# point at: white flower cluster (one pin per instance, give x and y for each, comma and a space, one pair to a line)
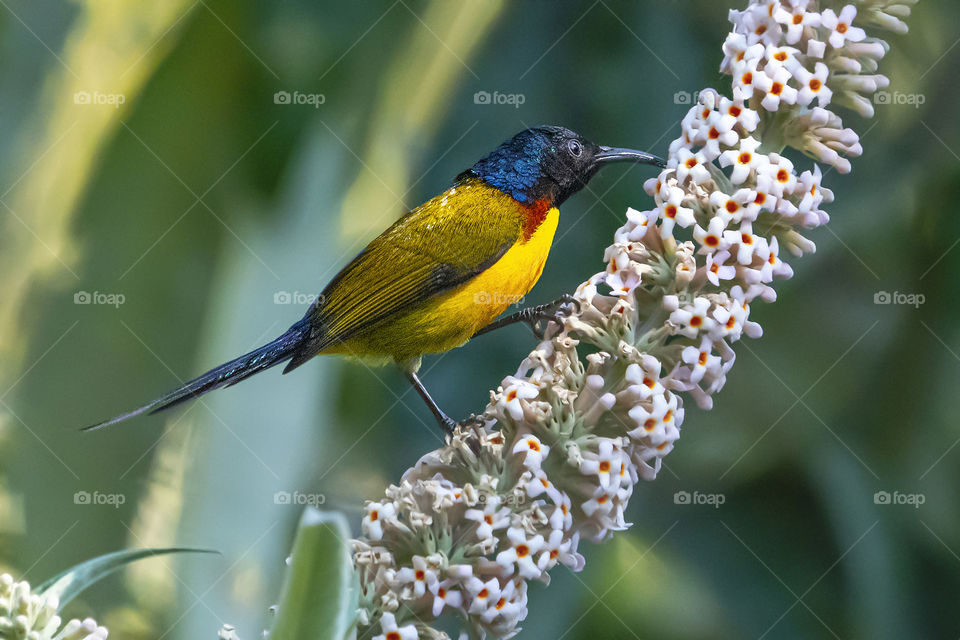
472, 523
31, 616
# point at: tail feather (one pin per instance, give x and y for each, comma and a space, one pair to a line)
228, 374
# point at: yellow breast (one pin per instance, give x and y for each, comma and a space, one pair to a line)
503, 284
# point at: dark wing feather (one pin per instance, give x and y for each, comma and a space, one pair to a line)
438, 246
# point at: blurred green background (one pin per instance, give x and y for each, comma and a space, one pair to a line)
150, 163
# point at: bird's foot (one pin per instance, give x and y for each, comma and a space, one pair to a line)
449, 425
554, 311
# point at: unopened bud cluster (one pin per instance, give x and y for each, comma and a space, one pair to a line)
32, 616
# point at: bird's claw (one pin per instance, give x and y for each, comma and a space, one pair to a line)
450, 426
554, 311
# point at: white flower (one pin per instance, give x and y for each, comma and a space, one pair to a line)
691, 319
747, 77
671, 211
418, 577
388, 624
516, 391
841, 27
782, 179
701, 360
644, 378
743, 159
712, 238
795, 19
492, 517
781, 58
757, 24
654, 419
483, 597
689, 164
748, 245
813, 85
604, 463
776, 89
375, 515
719, 130
444, 596
744, 116
533, 451
521, 554
717, 269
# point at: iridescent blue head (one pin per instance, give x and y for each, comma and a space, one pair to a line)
548, 162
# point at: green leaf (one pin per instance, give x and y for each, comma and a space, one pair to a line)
67, 585
319, 596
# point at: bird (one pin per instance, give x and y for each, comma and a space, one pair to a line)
441, 274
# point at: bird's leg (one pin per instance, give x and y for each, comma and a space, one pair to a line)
551, 311
446, 423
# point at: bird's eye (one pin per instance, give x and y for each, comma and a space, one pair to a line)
575, 148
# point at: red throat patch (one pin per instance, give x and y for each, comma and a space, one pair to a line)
533, 216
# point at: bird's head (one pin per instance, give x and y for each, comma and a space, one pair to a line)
548, 162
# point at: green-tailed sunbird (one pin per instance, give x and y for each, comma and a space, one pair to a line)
440, 274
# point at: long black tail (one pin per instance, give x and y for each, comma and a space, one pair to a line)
280, 350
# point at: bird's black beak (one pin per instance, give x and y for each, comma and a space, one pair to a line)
619, 154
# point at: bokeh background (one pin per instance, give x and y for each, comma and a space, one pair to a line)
150, 168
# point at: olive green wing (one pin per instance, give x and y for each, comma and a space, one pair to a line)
435, 248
